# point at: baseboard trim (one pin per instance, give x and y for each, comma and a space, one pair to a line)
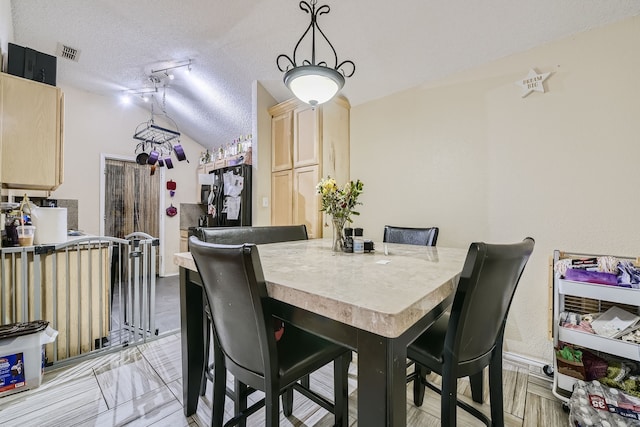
535, 365
523, 359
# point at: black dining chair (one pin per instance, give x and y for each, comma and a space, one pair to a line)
410, 236
469, 338
238, 236
245, 343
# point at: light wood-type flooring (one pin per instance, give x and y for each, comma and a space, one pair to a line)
141, 386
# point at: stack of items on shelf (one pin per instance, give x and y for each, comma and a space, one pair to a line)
593, 404
580, 363
613, 323
610, 371
604, 270
234, 153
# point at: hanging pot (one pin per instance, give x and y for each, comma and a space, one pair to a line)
142, 158
153, 157
179, 152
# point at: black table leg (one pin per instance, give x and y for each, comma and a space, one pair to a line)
192, 338
382, 384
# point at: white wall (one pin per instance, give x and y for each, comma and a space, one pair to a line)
262, 101
6, 30
96, 125
471, 156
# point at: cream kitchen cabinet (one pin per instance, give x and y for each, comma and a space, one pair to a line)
31, 129
306, 144
184, 240
282, 197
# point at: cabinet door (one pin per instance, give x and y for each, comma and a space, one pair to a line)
281, 141
31, 134
184, 240
306, 137
281, 198
306, 203
200, 170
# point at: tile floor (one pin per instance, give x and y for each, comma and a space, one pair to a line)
141, 386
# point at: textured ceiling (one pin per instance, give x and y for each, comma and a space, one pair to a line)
394, 44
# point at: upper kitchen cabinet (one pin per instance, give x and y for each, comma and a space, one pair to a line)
306, 144
281, 141
31, 128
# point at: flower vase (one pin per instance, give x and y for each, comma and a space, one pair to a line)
338, 242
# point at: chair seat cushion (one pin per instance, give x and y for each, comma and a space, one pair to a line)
300, 352
427, 348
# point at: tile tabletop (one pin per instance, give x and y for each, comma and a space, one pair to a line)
383, 294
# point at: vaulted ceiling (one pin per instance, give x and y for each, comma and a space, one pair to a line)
394, 44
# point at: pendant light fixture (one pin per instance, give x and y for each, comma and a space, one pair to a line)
310, 80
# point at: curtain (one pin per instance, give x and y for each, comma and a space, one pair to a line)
132, 199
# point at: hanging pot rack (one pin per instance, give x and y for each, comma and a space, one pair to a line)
158, 139
155, 137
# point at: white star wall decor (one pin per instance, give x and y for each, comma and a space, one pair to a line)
533, 81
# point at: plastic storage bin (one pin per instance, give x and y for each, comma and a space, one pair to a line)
22, 355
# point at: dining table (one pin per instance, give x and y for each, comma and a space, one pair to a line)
375, 303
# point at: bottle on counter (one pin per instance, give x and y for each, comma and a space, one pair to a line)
348, 240
358, 241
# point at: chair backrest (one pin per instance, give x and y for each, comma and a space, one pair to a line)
236, 291
411, 236
257, 235
481, 303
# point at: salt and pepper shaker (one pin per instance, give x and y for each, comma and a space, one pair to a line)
348, 240
358, 241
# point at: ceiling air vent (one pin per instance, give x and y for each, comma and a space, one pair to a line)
68, 52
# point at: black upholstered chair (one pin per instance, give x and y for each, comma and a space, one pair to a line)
257, 235
245, 343
469, 338
411, 236
238, 236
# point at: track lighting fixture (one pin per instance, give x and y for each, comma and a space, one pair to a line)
166, 71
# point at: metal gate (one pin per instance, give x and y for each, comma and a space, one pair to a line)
97, 292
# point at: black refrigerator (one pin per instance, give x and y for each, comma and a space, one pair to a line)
227, 199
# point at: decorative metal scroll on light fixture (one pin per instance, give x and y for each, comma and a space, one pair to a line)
157, 142
314, 82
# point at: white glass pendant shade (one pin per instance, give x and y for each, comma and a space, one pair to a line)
314, 84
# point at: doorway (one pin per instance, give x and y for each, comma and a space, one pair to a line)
131, 202
131, 198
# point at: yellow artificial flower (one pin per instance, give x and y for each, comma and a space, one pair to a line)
339, 202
